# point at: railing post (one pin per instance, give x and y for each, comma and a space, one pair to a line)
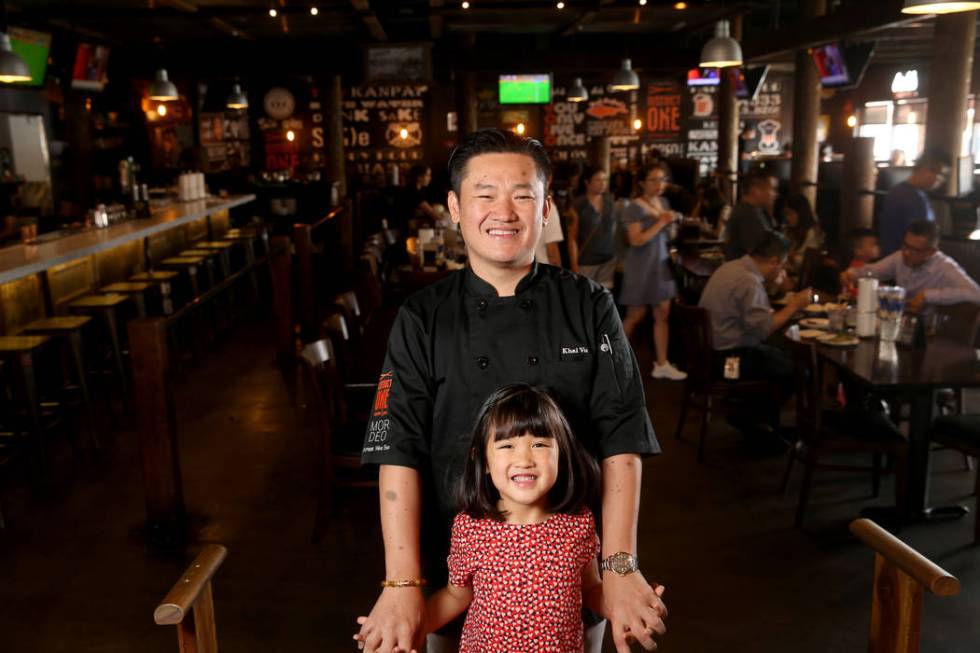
281, 269
303, 242
163, 487
896, 610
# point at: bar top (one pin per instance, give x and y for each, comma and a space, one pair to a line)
21, 260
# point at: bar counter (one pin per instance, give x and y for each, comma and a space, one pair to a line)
20, 260
40, 279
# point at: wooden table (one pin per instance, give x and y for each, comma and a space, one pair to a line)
911, 375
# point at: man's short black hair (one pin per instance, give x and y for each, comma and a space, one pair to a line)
934, 158
772, 243
926, 229
495, 141
757, 178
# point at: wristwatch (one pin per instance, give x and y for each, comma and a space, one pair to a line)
621, 562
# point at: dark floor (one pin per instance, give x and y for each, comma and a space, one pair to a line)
76, 576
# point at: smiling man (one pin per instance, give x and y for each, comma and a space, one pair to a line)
504, 319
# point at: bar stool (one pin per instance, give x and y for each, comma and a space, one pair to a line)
162, 279
107, 308
209, 265
223, 251
68, 330
243, 256
135, 290
20, 353
188, 267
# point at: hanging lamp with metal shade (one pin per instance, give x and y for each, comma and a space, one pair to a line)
162, 89
625, 78
237, 99
13, 68
577, 92
936, 7
722, 51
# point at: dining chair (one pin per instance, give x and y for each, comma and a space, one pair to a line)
827, 432
702, 390
338, 450
962, 433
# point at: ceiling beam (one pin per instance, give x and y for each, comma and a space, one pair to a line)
849, 20
179, 5
229, 29
587, 16
363, 9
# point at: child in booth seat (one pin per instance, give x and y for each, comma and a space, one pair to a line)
524, 548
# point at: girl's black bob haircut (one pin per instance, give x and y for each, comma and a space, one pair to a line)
510, 412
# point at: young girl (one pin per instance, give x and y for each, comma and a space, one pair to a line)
524, 548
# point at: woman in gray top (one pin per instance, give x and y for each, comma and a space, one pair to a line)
647, 281
591, 224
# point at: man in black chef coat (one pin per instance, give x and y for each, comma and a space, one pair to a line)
504, 319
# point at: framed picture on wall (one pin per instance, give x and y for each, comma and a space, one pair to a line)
399, 62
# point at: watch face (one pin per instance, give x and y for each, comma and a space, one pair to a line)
622, 563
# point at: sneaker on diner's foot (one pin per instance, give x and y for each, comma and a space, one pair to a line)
667, 371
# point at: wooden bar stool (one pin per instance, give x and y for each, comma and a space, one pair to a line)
107, 308
68, 330
162, 279
19, 355
136, 290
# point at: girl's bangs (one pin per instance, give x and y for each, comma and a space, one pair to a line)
508, 421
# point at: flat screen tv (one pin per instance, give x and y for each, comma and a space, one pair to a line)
525, 89
703, 77
33, 48
748, 81
89, 72
842, 66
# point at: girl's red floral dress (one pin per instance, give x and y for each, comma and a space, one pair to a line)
526, 579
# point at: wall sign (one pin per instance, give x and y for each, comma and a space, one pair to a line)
383, 124
906, 84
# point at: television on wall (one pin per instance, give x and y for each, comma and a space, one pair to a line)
525, 89
703, 77
842, 66
747, 82
89, 72
33, 48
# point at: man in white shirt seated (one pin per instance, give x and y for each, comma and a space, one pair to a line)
930, 278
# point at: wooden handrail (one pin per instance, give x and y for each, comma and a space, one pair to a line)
925, 571
182, 596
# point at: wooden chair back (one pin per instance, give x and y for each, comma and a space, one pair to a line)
695, 328
808, 398
323, 376
189, 604
351, 307
959, 322
900, 575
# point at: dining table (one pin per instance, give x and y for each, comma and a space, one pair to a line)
909, 375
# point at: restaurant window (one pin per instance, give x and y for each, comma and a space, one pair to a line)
909, 128
875, 122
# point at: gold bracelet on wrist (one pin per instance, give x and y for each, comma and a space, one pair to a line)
414, 582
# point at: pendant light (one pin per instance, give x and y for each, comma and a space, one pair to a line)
935, 7
625, 79
12, 67
722, 51
237, 99
577, 92
162, 89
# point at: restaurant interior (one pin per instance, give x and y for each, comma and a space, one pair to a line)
211, 212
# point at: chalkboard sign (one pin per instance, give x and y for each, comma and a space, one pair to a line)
407, 62
383, 124
569, 126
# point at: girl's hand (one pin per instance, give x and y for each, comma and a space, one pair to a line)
395, 622
634, 609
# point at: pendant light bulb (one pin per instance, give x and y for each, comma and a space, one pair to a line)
625, 78
237, 99
935, 7
13, 68
722, 51
162, 89
577, 92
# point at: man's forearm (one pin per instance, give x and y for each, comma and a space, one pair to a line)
621, 478
400, 490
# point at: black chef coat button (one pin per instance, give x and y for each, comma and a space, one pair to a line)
532, 360
483, 362
527, 304
481, 305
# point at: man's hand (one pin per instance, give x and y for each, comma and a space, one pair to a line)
395, 622
801, 300
917, 302
634, 610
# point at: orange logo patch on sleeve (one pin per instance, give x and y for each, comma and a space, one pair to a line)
382, 395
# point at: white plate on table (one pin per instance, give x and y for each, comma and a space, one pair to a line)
812, 333
815, 322
838, 340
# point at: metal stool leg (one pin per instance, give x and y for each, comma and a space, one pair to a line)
78, 358
109, 315
29, 379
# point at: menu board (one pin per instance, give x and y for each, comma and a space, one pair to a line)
383, 124
569, 126
664, 105
769, 118
224, 140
